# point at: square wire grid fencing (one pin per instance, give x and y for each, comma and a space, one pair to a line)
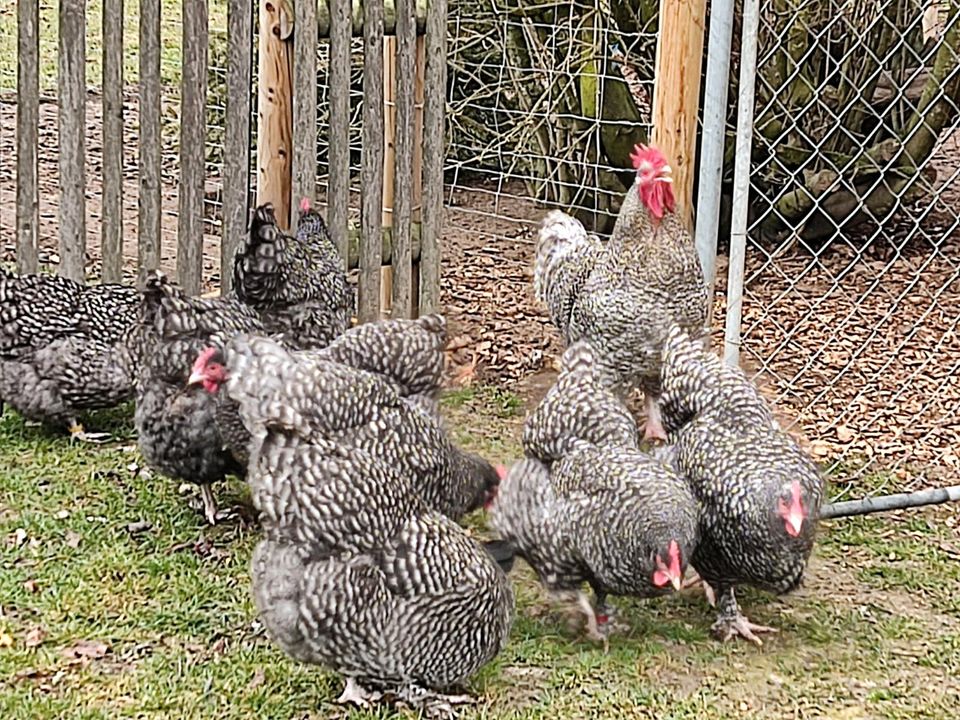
546, 101
851, 299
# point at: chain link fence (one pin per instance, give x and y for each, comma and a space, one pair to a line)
851, 294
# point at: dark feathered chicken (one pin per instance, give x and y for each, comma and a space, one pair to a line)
759, 492
623, 296
355, 572
355, 408
176, 423
296, 283
65, 347
587, 506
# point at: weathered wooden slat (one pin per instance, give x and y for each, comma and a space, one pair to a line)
148, 232
390, 14
236, 140
338, 183
354, 235
433, 117
389, 161
28, 121
371, 208
305, 101
405, 140
193, 133
275, 109
111, 229
72, 93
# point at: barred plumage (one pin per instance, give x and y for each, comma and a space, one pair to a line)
65, 347
760, 494
624, 295
297, 283
587, 505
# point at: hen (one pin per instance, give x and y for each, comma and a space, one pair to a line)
355, 572
587, 505
176, 422
356, 409
760, 494
297, 283
65, 348
623, 296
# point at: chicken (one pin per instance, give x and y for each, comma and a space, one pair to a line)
176, 423
65, 348
586, 505
406, 353
357, 409
355, 572
297, 284
623, 296
760, 494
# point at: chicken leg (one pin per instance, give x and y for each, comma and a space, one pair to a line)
693, 580
355, 693
431, 703
732, 622
78, 434
653, 427
209, 503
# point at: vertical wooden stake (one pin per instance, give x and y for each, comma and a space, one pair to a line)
72, 88
148, 216
389, 161
275, 109
416, 216
111, 232
676, 98
305, 103
28, 122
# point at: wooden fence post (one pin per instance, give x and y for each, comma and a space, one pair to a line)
28, 121
305, 102
111, 230
390, 184
275, 109
72, 92
236, 136
371, 213
676, 101
402, 300
338, 178
148, 234
193, 126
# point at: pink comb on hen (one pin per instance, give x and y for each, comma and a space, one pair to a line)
653, 180
304, 204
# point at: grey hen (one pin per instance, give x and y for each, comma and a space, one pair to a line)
296, 283
65, 348
355, 572
359, 409
176, 423
759, 492
587, 505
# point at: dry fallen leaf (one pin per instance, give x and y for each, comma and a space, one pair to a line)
30, 586
34, 637
257, 679
5, 639
73, 539
844, 434
85, 650
19, 537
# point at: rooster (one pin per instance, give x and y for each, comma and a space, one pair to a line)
586, 505
65, 348
176, 423
759, 493
355, 408
297, 283
623, 296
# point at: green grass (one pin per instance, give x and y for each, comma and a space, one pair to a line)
167, 623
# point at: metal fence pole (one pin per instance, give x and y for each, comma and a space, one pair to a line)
711, 148
741, 181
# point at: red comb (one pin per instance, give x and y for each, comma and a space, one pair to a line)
304, 204
648, 153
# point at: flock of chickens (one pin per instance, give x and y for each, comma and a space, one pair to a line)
363, 566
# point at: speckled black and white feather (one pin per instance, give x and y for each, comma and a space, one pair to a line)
587, 505
357, 574
622, 296
579, 407
176, 425
308, 395
64, 347
296, 283
739, 463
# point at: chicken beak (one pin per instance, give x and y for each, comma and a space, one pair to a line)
794, 524
196, 378
676, 581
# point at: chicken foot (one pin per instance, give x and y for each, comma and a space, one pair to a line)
732, 622
434, 704
354, 692
693, 580
599, 621
209, 503
78, 434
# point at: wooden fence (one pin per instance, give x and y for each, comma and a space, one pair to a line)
396, 247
